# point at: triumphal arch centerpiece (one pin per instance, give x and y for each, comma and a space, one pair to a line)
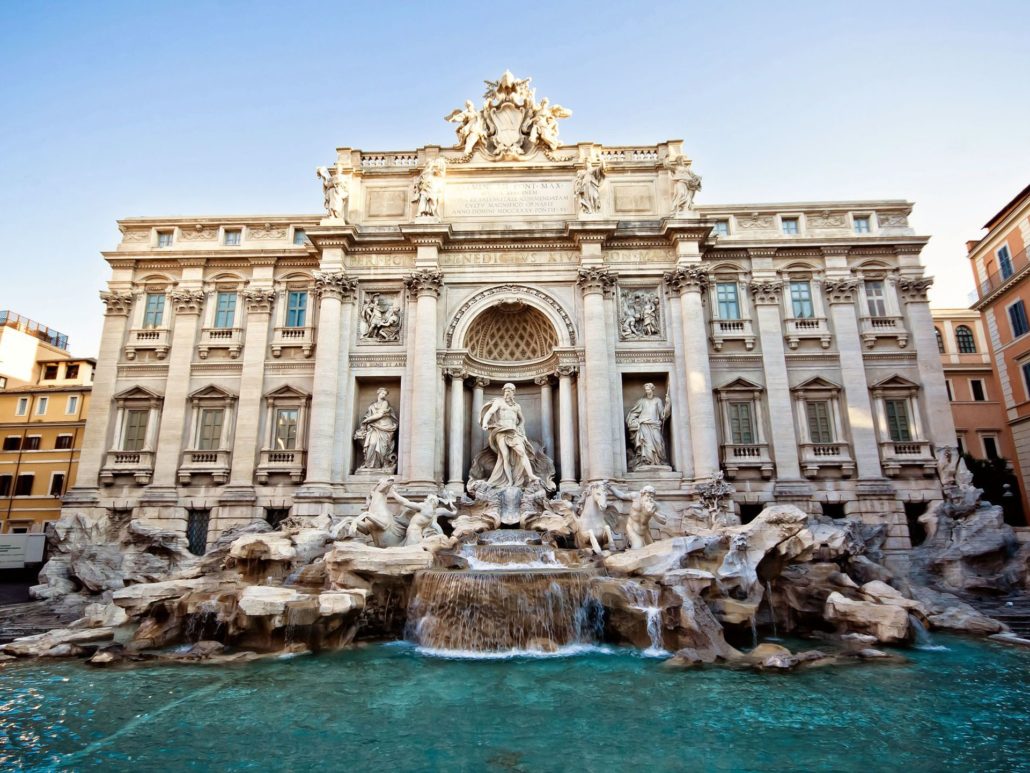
505, 320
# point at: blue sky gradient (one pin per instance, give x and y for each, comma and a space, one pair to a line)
116, 109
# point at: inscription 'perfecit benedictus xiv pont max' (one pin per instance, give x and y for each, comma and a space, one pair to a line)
245, 359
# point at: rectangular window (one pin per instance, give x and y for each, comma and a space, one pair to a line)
897, 420
1005, 261
819, 427
23, 487
790, 226
225, 310
31, 443
154, 311
286, 429
299, 237
135, 435
960, 441
196, 530
976, 388
801, 300
741, 424
233, 237
990, 444
721, 228
71, 371
1018, 320
42, 405
72, 405
876, 298
57, 484
729, 301
296, 309
3, 382
209, 437
1025, 367
22, 407
5, 485
164, 238
862, 224
12, 443
63, 442
947, 387
50, 373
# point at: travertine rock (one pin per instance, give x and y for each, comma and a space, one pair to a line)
657, 558
337, 602
365, 559
271, 546
56, 643
887, 622
267, 601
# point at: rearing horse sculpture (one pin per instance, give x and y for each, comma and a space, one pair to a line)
592, 524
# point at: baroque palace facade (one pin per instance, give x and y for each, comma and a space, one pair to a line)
254, 367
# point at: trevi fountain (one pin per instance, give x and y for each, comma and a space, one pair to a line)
460, 587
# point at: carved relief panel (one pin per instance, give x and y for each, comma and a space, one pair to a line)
640, 314
380, 319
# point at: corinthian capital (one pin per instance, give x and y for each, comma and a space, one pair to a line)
117, 304
259, 300
187, 301
840, 290
764, 291
686, 279
334, 284
596, 280
914, 290
424, 282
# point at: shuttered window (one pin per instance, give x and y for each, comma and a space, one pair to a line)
286, 429
741, 424
819, 427
897, 420
135, 430
210, 436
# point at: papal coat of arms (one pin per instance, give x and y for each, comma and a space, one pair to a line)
510, 124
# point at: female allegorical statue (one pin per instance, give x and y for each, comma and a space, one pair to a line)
378, 432
645, 422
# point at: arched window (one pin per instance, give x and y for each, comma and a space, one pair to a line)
940, 340
964, 339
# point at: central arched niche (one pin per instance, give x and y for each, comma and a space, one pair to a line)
510, 332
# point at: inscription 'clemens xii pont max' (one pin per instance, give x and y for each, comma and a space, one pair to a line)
493, 199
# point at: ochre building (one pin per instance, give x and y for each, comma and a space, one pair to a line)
789, 346
44, 396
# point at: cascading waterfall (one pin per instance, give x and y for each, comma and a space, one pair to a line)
772, 608
515, 597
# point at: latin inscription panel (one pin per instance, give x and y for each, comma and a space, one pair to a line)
509, 199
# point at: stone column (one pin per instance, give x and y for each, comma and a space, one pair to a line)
94, 438
248, 415
566, 428
456, 448
188, 305
940, 421
332, 288
546, 419
840, 295
478, 440
766, 295
424, 286
690, 282
595, 282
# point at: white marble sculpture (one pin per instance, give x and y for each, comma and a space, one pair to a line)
377, 432
380, 318
643, 509
377, 521
646, 424
685, 184
427, 190
592, 527
424, 524
505, 425
472, 129
588, 188
335, 193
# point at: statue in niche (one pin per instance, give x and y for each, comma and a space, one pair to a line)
378, 435
641, 512
380, 319
685, 184
588, 188
427, 190
639, 315
505, 426
646, 424
472, 130
334, 192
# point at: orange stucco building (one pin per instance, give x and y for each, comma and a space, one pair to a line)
1001, 270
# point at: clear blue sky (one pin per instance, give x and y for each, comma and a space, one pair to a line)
114, 109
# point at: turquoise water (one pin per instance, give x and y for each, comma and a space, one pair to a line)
389, 708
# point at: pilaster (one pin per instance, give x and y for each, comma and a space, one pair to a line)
594, 284
424, 287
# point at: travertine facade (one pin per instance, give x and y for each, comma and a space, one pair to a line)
790, 345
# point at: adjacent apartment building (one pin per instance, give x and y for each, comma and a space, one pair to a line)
1000, 267
44, 395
